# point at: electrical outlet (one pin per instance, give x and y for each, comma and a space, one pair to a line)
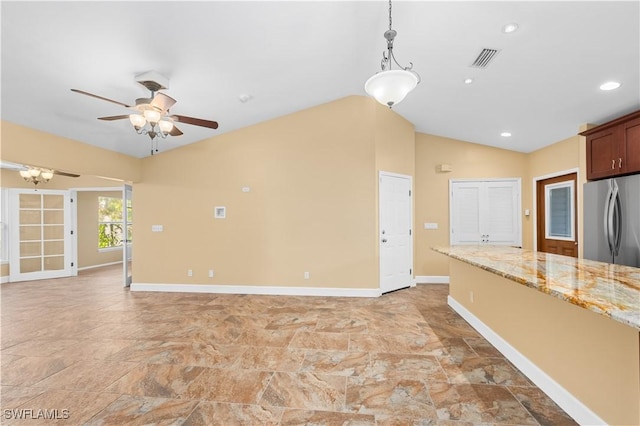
306, 275
210, 273
189, 272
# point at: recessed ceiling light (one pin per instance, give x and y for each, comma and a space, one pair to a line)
609, 85
505, 134
244, 98
468, 80
510, 28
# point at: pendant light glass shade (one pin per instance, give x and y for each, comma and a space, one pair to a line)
165, 126
392, 86
137, 120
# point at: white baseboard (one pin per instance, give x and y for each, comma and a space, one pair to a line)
84, 268
431, 279
4, 279
266, 290
569, 403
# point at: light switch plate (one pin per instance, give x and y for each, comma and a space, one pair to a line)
157, 228
430, 225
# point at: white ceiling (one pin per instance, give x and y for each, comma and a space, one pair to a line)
293, 55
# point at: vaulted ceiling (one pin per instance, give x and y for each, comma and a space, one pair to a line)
287, 56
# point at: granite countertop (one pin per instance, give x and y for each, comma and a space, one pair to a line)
607, 289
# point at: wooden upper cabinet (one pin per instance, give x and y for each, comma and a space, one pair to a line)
631, 146
613, 148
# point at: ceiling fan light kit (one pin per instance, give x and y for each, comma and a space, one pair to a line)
36, 176
389, 86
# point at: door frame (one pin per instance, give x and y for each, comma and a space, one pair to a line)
127, 247
579, 211
74, 208
382, 173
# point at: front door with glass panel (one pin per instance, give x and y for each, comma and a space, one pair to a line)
556, 224
40, 226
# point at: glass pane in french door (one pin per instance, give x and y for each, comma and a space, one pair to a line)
41, 236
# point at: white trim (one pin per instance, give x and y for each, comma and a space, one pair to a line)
84, 268
108, 249
569, 403
534, 187
4, 280
260, 290
432, 279
572, 209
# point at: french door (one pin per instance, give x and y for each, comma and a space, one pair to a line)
396, 242
40, 234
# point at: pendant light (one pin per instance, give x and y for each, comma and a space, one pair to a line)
390, 86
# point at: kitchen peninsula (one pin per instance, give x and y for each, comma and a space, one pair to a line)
571, 325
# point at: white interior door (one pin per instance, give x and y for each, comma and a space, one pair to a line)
40, 234
127, 229
395, 239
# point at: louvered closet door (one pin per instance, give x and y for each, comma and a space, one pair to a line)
465, 212
501, 224
485, 212
40, 234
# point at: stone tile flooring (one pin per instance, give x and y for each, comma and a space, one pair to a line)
87, 351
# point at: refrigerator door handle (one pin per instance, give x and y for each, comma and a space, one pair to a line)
608, 217
617, 220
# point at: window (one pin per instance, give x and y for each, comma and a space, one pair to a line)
109, 222
559, 211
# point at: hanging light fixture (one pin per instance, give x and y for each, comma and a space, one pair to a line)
36, 176
152, 123
390, 86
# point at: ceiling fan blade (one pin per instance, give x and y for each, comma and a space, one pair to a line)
195, 121
99, 97
175, 131
162, 101
113, 117
61, 173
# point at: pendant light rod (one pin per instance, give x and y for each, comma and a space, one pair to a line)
389, 86
390, 36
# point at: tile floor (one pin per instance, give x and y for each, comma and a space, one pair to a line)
89, 352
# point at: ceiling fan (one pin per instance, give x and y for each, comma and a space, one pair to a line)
152, 116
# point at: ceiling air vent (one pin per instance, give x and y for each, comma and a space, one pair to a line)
484, 58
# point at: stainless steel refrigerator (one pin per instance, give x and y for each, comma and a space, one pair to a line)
612, 220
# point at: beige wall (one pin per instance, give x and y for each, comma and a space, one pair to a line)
565, 155
311, 206
88, 253
87, 219
593, 357
307, 171
12, 179
28, 146
468, 160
